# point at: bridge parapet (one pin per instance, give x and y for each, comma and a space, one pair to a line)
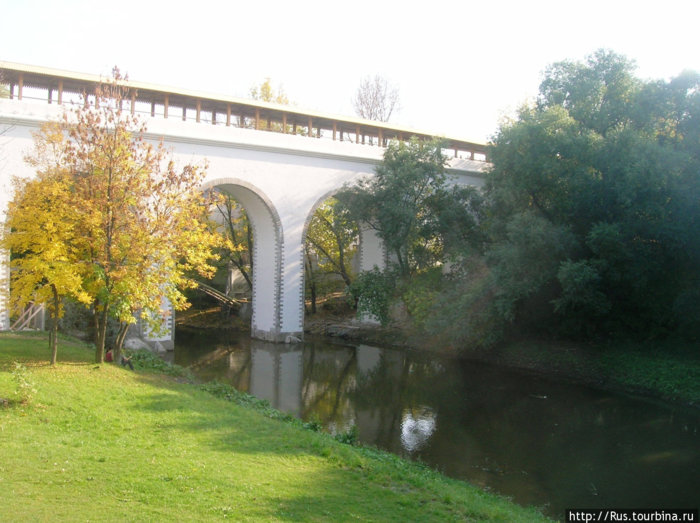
27, 82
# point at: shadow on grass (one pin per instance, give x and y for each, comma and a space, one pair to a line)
293, 474
227, 426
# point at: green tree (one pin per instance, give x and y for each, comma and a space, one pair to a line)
138, 222
411, 206
331, 242
611, 163
423, 221
237, 243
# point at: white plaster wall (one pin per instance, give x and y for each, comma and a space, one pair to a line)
278, 178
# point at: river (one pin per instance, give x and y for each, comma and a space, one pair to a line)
537, 441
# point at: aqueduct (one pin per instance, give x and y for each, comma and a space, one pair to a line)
279, 177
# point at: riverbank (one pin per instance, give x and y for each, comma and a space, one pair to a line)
99, 442
669, 371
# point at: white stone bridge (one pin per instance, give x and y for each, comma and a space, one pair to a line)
279, 162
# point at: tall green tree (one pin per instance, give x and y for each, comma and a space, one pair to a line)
604, 169
411, 206
422, 220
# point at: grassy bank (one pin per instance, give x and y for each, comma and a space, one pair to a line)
101, 443
666, 370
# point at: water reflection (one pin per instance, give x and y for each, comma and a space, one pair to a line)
416, 428
542, 443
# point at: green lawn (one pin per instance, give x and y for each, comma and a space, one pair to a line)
101, 443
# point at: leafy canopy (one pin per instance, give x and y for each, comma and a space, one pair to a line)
130, 223
612, 163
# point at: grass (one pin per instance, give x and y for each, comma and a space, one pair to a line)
667, 370
102, 443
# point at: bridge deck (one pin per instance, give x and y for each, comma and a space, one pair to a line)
62, 87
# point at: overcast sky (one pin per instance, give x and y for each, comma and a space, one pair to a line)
459, 65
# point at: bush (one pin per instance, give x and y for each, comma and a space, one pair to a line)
373, 291
146, 360
25, 385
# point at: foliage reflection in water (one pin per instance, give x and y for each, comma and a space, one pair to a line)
542, 443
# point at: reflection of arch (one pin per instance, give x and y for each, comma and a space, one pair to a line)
267, 258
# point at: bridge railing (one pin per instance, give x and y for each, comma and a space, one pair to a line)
25, 82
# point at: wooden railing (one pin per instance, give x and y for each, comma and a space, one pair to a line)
218, 295
26, 318
61, 87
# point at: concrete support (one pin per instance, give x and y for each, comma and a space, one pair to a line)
372, 250
4, 290
164, 339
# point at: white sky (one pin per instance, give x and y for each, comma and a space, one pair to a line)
459, 65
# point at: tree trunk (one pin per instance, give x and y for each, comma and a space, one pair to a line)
100, 333
119, 342
53, 335
312, 281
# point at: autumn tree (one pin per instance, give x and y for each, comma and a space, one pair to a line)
333, 235
266, 93
139, 221
42, 235
376, 99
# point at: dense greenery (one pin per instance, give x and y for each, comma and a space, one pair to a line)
588, 226
98, 442
422, 219
597, 188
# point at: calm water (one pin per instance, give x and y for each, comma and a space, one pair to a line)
538, 442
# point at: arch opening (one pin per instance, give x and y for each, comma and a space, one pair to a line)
336, 249
266, 256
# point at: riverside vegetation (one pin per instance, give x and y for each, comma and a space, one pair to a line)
86, 441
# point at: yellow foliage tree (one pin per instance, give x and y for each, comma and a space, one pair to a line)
41, 235
139, 222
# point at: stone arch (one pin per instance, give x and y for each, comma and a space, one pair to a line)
267, 254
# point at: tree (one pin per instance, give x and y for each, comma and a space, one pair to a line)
422, 220
411, 206
610, 162
237, 243
331, 241
375, 99
40, 234
139, 222
333, 236
266, 93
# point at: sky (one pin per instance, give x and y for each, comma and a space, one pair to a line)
460, 66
